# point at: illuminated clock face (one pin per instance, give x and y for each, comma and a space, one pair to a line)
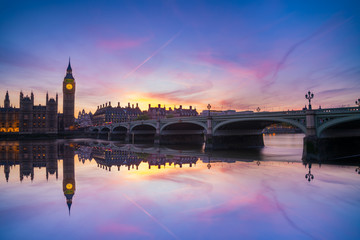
69, 186
69, 86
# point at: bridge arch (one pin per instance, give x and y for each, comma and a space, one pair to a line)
183, 132
142, 124
203, 125
270, 120
143, 132
105, 130
119, 128
332, 123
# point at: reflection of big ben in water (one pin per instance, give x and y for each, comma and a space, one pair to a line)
68, 174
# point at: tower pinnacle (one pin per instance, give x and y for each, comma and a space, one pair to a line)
7, 100
69, 70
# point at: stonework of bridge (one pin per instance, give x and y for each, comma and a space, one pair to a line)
237, 130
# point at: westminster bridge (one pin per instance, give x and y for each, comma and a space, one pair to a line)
239, 130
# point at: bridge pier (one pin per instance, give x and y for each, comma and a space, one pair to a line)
157, 136
128, 134
209, 134
208, 142
311, 143
331, 150
311, 149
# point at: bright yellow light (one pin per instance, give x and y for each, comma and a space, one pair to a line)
69, 86
69, 186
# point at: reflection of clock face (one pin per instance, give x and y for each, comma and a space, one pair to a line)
69, 186
69, 86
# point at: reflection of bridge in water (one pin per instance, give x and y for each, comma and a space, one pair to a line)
322, 128
107, 157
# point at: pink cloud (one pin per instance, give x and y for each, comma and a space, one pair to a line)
259, 203
181, 94
258, 70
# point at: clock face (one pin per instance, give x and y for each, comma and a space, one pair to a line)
69, 186
69, 86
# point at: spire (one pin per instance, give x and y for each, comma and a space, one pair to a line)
7, 100
69, 75
69, 202
69, 70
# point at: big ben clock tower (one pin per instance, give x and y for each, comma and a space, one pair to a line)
68, 98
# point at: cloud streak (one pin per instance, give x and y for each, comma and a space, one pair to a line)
324, 29
151, 216
152, 55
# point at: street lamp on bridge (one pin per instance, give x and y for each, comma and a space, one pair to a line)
309, 96
357, 102
209, 107
309, 176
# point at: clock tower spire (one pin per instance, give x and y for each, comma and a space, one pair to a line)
68, 98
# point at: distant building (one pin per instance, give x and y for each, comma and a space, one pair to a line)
183, 112
107, 114
161, 112
84, 119
156, 112
219, 112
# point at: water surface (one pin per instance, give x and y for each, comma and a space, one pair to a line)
143, 192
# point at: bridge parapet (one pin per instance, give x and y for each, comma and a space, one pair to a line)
338, 110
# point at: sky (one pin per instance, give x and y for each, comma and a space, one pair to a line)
231, 54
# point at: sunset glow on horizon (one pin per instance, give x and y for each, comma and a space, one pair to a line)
233, 55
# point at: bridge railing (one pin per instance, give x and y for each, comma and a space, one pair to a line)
290, 112
338, 110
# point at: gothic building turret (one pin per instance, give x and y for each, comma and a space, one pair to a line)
7, 100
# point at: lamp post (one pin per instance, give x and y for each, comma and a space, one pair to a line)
209, 107
209, 163
258, 109
357, 102
357, 170
309, 96
309, 176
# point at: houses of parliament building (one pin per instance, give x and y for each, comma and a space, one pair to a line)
36, 119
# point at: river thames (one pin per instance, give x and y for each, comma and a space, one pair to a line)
86, 189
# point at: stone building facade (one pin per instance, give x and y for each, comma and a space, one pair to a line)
107, 114
37, 118
162, 112
29, 118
